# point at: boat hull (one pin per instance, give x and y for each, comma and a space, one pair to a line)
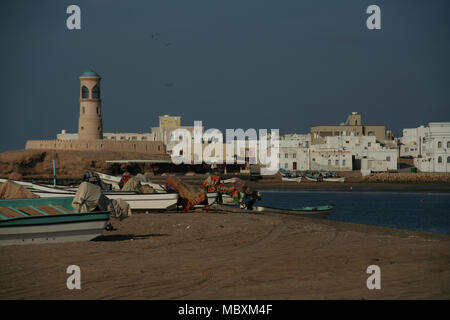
322, 214
299, 179
55, 228
342, 179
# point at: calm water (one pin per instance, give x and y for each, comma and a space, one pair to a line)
429, 212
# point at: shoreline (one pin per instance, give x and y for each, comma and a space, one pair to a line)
357, 187
216, 255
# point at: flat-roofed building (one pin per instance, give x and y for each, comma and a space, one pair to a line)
352, 127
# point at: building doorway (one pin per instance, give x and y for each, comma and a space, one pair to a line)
294, 166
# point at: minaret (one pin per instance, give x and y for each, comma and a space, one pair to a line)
90, 121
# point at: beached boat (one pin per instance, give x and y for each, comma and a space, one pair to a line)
137, 202
318, 212
114, 181
334, 179
297, 179
47, 220
310, 177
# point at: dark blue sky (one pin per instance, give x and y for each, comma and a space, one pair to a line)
285, 64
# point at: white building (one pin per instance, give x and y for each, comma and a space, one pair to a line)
365, 147
411, 141
338, 153
434, 153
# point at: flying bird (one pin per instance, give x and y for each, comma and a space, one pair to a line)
154, 35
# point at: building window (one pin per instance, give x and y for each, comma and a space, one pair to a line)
388, 158
336, 163
343, 162
439, 144
439, 159
286, 155
83, 110
314, 159
448, 159
96, 92
286, 165
369, 144
294, 155
84, 92
329, 162
448, 145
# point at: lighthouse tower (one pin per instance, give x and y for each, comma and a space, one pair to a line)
90, 121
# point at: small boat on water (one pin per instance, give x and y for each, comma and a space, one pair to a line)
297, 179
310, 177
41, 220
318, 212
334, 179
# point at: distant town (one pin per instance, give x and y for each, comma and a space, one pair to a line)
351, 145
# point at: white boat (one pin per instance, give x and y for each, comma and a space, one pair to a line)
312, 178
334, 179
298, 179
38, 220
141, 202
114, 181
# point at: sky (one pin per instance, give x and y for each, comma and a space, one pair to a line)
263, 64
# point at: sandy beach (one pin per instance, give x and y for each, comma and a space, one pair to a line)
215, 255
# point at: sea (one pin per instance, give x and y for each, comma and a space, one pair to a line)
427, 212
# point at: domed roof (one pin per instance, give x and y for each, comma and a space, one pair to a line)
90, 74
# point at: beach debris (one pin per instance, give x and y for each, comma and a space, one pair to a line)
188, 227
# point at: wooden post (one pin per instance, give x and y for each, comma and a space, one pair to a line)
54, 173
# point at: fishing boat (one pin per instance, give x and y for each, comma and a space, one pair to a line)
318, 212
334, 179
297, 179
41, 220
137, 202
310, 177
114, 181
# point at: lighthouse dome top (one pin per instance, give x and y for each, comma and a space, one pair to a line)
89, 74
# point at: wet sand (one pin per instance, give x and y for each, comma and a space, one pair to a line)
232, 256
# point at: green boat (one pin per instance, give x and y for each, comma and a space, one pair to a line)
41, 220
318, 212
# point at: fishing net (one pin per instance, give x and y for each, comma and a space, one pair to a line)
189, 195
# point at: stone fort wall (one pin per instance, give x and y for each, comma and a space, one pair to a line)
153, 147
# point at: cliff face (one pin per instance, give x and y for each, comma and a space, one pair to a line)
69, 164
